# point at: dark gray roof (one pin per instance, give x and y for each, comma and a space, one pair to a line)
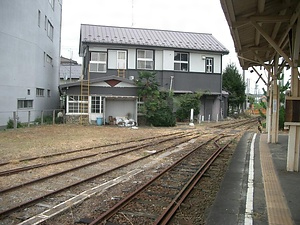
150, 37
64, 71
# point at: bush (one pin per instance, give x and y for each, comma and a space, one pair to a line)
10, 124
186, 103
47, 120
163, 117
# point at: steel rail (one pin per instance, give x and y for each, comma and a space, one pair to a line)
84, 149
33, 200
169, 212
109, 213
25, 168
85, 165
229, 125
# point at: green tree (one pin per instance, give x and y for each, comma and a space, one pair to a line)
186, 103
156, 104
235, 86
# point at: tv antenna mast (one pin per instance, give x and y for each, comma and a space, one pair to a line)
132, 13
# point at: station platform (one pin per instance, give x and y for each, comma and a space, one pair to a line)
257, 189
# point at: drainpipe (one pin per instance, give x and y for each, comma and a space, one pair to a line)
171, 83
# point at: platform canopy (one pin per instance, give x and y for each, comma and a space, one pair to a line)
262, 28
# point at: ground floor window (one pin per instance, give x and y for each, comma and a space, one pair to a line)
77, 104
96, 104
25, 104
140, 106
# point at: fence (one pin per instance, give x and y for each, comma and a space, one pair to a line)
22, 118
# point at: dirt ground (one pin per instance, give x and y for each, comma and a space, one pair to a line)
41, 140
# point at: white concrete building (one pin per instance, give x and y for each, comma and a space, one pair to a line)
30, 34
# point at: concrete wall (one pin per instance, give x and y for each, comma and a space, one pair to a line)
24, 46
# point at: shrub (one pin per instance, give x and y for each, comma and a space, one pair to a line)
10, 124
186, 103
47, 120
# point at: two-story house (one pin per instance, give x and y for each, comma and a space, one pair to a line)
184, 62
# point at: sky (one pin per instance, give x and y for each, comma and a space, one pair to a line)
198, 16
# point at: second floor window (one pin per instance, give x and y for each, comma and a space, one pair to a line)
50, 30
209, 62
51, 2
40, 92
181, 62
98, 62
145, 59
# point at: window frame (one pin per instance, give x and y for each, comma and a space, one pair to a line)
39, 18
74, 102
98, 62
40, 92
145, 59
181, 62
209, 65
97, 104
48, 59
51, 2
119, 59
25, 103
50, 30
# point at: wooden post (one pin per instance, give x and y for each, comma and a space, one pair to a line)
28, 125
294, 129
42, 117
15, 120
269, 110
293, 147
53, 117
275, 103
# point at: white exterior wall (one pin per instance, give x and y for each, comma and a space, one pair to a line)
164, 60
168, 60
158, 60
197, 64
112, 59
23, 45
217, 63
131, 58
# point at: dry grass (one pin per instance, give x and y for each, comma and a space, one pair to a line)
40, 140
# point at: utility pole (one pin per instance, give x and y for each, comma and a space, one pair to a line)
71, 55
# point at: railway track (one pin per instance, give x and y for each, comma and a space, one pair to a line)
17, 191
157, 201
99, 170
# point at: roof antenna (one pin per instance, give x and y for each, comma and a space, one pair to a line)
131, 13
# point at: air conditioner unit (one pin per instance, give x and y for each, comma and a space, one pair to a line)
131, 77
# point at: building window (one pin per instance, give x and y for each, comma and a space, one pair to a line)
181, 62
121, 60
97, 104
40, 92
46, 22
50, 30
48, 58
145, 59
98, 62
77, 104
209, 63
25, 104
49, 93
39, 18
51, 2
